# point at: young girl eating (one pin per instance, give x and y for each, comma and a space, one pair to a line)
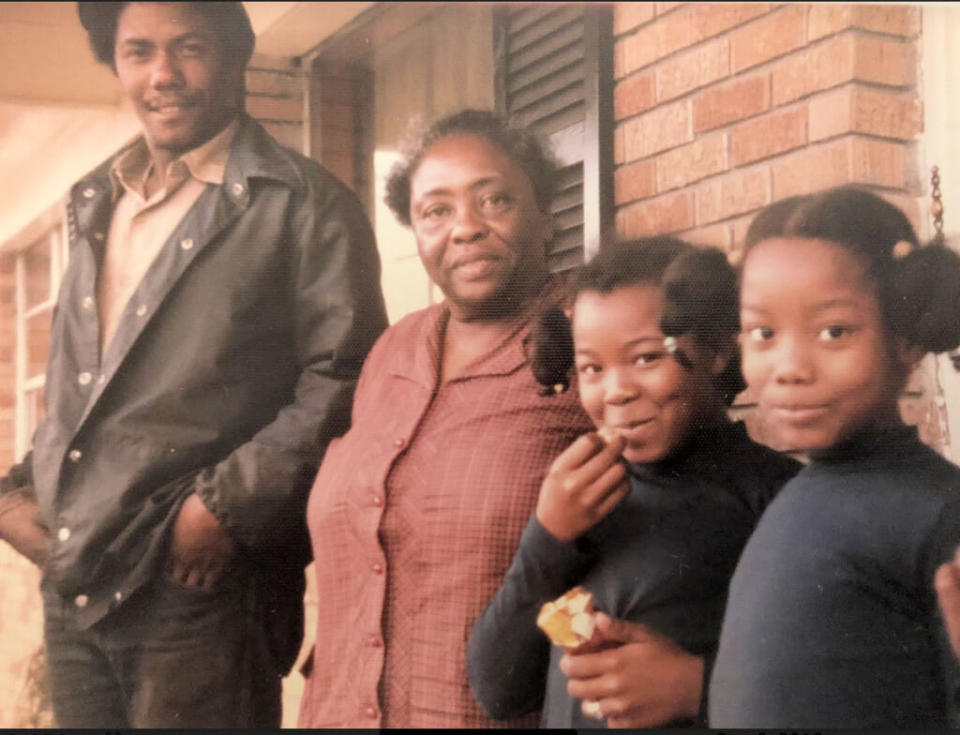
832, 618
652, 519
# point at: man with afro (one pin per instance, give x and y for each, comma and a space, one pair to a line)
221, 295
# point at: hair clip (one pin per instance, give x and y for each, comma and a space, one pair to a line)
673, 348
554, 390
902, 249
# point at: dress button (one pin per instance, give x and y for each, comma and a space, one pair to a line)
238, 190
378, 500
87, 302
377, 568
84, 378
64, 534
89, 192
98, 236
75, 455
141, 310
370, 712
398, 443
81, 600
101, 380
186, 243
118, 595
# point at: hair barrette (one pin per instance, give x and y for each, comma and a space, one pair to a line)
671, 345
902, 249
554, 390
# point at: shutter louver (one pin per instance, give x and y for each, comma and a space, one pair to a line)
545, 56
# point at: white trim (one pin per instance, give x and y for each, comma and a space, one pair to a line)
21, 427
940, 146
35, 383
42, 308
27, 386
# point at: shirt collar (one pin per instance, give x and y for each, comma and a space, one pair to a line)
421, 362
206, 163
871, 444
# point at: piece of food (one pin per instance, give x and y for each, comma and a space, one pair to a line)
607, 434
568, 620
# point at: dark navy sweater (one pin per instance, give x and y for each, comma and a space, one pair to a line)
663, 557
832, 619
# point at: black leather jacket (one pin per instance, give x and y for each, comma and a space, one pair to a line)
232, 367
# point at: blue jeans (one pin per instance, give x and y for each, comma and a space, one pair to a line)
170, 657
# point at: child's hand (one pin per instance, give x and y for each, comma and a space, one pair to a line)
643, 680
582, 486
947, 582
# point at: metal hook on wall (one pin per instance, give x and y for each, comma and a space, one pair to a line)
936, 211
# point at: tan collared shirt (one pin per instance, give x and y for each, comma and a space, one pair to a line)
141, 224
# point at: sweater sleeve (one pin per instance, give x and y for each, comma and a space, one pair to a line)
508, 656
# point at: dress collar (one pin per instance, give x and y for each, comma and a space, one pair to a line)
421, 363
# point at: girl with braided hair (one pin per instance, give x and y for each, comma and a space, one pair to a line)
649, 519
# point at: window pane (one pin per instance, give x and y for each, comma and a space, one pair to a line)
37, 261
38, 343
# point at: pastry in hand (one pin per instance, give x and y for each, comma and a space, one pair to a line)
568, 620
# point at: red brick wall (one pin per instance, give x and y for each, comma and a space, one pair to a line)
341, 115
19, 623
275, 98
722, 108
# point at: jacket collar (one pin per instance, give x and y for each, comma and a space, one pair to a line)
253, 154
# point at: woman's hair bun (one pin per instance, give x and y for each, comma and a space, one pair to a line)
924, 302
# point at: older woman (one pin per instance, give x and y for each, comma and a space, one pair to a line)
416, 512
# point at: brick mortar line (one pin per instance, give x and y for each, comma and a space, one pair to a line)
769, 63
